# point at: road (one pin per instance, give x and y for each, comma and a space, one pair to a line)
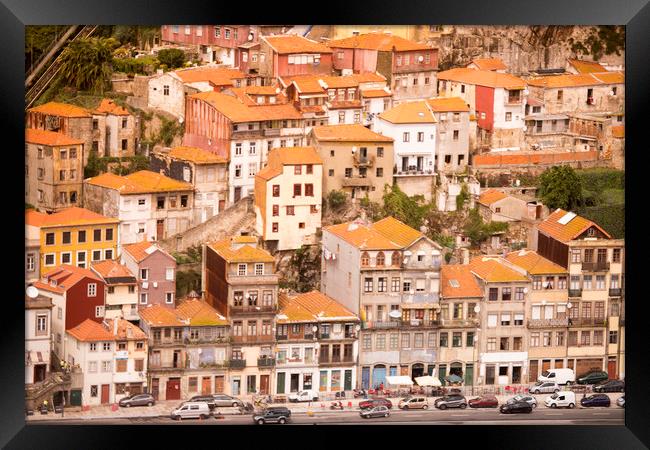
541, 415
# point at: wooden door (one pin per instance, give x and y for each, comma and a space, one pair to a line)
106, 389
222, 205
155, 385
611, 369
533, 370
237, 194
206, 386
173, 389
219, 384
160, 229
264, 384
546, 364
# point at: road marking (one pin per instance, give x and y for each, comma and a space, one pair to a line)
459, 415
553, 414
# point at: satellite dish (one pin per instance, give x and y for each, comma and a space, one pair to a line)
525, 290
569, 305
251, 36
277, 90
32, 292
420, 58
477, 309
314, 328
395, 314
180, 120
525, 91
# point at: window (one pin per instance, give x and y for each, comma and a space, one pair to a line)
381, 284
505, 319
169, 297
252, 148
406, 286
585, 338
184, 199
519, 293
106, 346
518, 319
276, 190
259, 269
237, 170
93, 388
97, 235
492, 320
166, 89
238, 149
559, 95
575, 255
341, 116
290, 211
504, 343
616, 255
252, 169
309, 190
380, 342
367, 285
406, 340
143, 298
598, 337
561, 282
420, 136
443, 339
348, 172
241, 269
405, 137
49, 259
613, 337
276, 210
600, 282
456, 339
120, 365
49, 239
367, 342
586, 282
506, 294
462, 88
275, 227
517, 343
395, 284
92, 289
394, 341
508, 116
491, 344
493, 294
66, 258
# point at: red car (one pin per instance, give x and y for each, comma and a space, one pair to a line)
366, 404
484, 402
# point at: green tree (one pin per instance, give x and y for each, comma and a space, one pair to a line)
171, 57
410, 210
477, 230
87, 64
560, 187
336, 199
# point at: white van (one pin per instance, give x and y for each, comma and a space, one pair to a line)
308, 395
191, 410
560, 376
562, 399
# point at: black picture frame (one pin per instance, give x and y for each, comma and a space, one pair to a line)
15, 14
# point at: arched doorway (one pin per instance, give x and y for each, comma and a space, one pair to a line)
378, 376
456, 368
417, 370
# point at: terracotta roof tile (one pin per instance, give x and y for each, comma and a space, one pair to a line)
91, 331
483, 78
584, 79
162, 316
534, 263
312, 306
218, 76
50, 138
586, 66
200, 313
238, 112
108, 106
490, 196
284, 44
375, 93
61, 109
111, 269
283, 156
245, 253
141, 250
348, 133
66, 217
65, 276
378, 41
368, 77
618, 131
445, 104
196, 155
397, 231
387, 234
122, 327
457, 281
409, 112
493, 269
569, 231
140, 182
489, 63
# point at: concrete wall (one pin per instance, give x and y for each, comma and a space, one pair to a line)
447, 146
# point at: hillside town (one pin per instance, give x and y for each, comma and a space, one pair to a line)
243, 217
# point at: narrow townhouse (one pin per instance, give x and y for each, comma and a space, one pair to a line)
121, 290
452, 134
287, 55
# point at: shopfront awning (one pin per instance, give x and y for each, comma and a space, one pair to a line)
428, 381
400, 380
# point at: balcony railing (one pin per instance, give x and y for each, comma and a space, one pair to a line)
356, 181
265, 362
392, 324
615, 292
548, 323
272, 132
324, 335
215, 340
335, 360
363, 161
282, 337
588, 322
412, 172
575, 292
460, 322
598, 266
237, 363
253, 338
247, 309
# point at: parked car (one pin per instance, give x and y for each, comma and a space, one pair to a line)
224, 401
276, 414
377, 411
485, 401
561, 400
560, 376
308, 395
593, 377
621, 401
191, 410
137, 400
414, 402
532, 401
595, 400
209, 399
451, 401
516, 407
544, 387
610, 386
369, 404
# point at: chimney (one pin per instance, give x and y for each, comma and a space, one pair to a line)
465, 253
115, 324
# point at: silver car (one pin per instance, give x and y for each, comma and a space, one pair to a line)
377, 411
544, 387
532, 401
621, 401
224, 401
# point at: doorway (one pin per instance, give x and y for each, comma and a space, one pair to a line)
236, 386
280, 383
218, 384
264, 384
222, 205
106, 390
160, 229
456, 369
365, 377
611, 368
533, 370
155, 384
347, 382
177, 358
237, 194
417, 371
516, 374
294, 383
173, 389
206, 386
39, 372
378, 375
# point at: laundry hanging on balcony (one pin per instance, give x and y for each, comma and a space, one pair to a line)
329, 256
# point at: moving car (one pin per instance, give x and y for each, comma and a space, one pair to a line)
209, 399
191, 410
561, 400
276, 414
223, 400
544, 387
308, 395
621, 401
377, 411
368, 404
137, 400
451, 401
532, 401
516, 407
595, 400
593, 377
560, 376
485, 401
413, 402
610, 386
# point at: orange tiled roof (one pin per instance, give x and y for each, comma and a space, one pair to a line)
91, 331
583, 79
397, 231
490, 196
386, 234
246, 94
111, 269
287, 43
487, 78
200, 313
534, 263
283, 156
245, 253
378, 41
140, 182
618, 131
122, 326
108, 106
348, 133
47, 287
162, 316
489, 63
409, 112
142, 250
66, 217
445, 104
44, 137
312, 306
493, 270
564, 233
244, 240
61, 109
65, 276
218, 76
368, 77
464, 282
238, 112
586, 66
196, 155
375, 93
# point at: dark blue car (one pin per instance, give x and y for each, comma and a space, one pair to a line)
595, 400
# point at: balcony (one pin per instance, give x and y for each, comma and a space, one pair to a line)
326, 359
237, 363
235, 279
253, 309
309, 336
252, 339
412, 172
599, 266
394, 324
356, 181
199, 341
458, 323
548, 323
282, 337
265, 362
272, 132
172, 367
575, 293
615, 292
588, 322
511, 101
418, 298
363, 161
323, 335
